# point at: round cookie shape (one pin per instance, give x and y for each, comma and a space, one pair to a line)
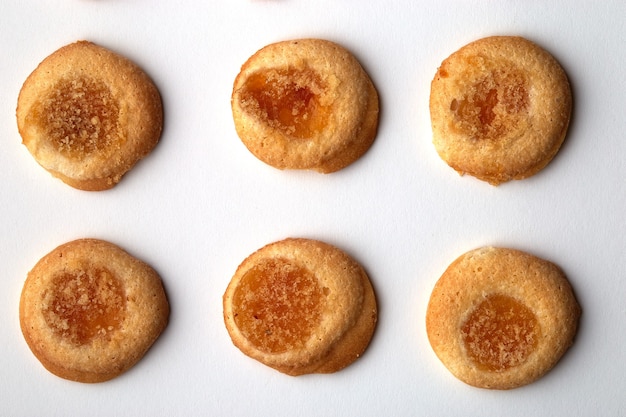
500, 108
300, 306
500, 318
305, 104
88, 115
89, 310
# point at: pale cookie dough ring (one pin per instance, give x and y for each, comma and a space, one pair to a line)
500, 108
300, 306
501, 318
305, 104
88, 115
89, 310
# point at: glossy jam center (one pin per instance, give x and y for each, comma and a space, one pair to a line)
277, 305
288, 100
79, 116
85, 305
500, 333
495, 105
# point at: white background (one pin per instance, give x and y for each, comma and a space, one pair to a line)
200, 203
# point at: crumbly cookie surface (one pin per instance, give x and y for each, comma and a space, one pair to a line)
305, 104
500, 318
88, 115
500, 108
300, 306
89, 310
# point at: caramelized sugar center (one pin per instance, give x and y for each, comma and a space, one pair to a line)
277, 305
78, 117
82, 306
500, 333
287, 100
495, 106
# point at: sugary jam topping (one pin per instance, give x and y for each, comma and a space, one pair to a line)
495, 106
277, 305
288, 100
82, 306
79, 116
500, 333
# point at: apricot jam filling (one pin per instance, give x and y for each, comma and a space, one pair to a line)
82, 306
288, 100
500, 333
277, 305
78, 117
495, 106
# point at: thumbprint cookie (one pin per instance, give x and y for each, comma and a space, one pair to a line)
88, 115
300, 306
500, 108
89, 311
500, 318
305, 104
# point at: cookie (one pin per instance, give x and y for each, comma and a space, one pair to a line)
88, 115
300, 306
500, 108
89, 310
305, 104
501, 318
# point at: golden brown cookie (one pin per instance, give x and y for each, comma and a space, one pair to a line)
88, 115
500, 108
300, 306
89, 311
305, 104
500, 318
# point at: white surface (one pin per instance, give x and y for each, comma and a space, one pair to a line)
200, 203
